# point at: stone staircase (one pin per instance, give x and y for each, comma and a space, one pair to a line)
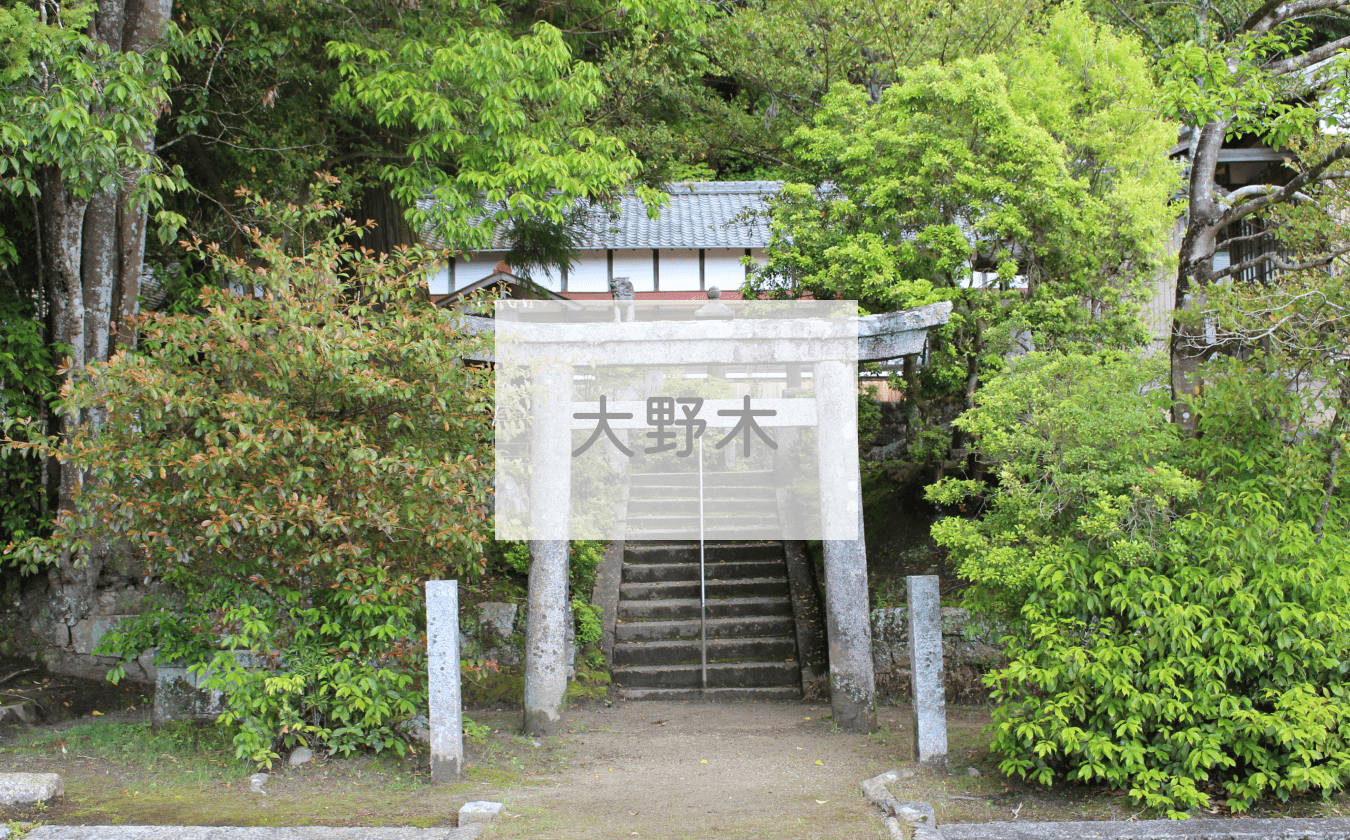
752, 643
736, 506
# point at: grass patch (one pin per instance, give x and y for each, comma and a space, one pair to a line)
200, 751
492, 775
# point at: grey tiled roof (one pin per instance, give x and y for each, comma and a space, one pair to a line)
701, 214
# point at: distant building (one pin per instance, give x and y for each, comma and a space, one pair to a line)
699, 241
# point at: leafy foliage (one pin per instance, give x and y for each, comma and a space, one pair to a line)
27, 380
1083, 467
322, 424
74, 105
1186, 661
584, 559
292, 465
518, 137
1028, 188
495, 110
763, 69
335, 667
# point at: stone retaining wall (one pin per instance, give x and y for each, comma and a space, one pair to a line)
32, 624
970, 649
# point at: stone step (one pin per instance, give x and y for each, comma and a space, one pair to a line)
713, 499
686, 551
765, 587
689, 524
756, 533
766, 693
688, 608
741, 627
721, 675
687, 652
763, 478
723, 570
712, 508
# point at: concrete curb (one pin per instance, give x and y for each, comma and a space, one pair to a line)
1231, 829
917, 821
918, 817
179, 832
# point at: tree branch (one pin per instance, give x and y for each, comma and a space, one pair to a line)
1136, 25
1298, 62
1273, 13
1219, 246
1311, 175
1279, 264
1252, 22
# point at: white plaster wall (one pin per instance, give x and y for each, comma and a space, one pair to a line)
679, 270
471, 270
636, 265
549, 278
722, 268
438, 283
590, 273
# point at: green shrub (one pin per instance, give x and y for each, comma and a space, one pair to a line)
589, 626
292, 465
1204, 654
516, 555
337, 669
1084, 462
586, 557
27, 381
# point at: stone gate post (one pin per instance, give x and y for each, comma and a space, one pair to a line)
550, 494
446, 708
852, 684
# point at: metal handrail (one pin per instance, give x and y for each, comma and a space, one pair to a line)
702, 577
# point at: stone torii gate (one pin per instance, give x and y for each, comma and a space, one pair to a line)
831, 353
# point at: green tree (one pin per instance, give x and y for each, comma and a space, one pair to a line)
1175, 604
728, 105
491, 108
82, 84
1257, 72
1082, 465
292, 465
110, 113
1028, 188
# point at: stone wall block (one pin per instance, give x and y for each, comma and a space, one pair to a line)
18, 789
970, 650
498, 619
86, 634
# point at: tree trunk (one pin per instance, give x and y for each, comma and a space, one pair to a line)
92, 253
391, 229
1195, 267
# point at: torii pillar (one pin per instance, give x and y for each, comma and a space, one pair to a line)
546, 618
847, 614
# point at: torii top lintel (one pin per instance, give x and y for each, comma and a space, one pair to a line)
879, 337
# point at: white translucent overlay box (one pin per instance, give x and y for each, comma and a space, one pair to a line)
676, 420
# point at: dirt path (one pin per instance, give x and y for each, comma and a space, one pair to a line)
657, 770
676, 770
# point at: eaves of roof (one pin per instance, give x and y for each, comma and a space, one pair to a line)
700, 214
